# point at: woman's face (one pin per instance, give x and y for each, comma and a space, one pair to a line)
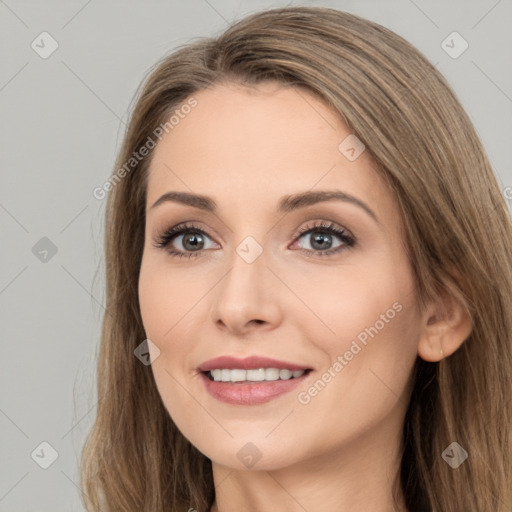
323, 285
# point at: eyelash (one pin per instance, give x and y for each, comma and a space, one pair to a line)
167, 237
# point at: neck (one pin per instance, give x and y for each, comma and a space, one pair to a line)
359, 476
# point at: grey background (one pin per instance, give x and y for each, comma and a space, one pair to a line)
61, 125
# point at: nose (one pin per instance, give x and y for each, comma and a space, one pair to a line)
246, 298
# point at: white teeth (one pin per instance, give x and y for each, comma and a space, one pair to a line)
271, 374
285, 374
238, 375
256, 375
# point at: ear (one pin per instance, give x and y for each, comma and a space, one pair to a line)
446, 324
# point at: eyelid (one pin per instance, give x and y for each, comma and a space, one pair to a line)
325, 225
330, 227
175, 230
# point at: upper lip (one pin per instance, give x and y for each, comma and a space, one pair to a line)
248, 363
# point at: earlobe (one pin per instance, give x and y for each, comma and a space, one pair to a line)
430, 347
446, 325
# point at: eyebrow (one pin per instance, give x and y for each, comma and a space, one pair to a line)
286, 204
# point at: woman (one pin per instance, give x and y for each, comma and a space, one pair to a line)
309, 284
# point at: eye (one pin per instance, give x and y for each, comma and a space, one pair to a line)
319, 238
190, 237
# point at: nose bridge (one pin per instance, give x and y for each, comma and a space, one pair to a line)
244, 294
247, 277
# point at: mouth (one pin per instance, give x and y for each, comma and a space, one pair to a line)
250, 381
239, 376
254, 386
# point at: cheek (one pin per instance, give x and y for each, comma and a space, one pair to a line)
170, 305
150, 300
367, 329
162, 304
165, 298
342, 303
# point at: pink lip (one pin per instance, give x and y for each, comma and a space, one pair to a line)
249, 363
250, 393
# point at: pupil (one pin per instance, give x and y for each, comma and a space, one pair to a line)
318, 239
192, 241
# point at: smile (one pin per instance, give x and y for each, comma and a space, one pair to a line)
246, 392
256, 375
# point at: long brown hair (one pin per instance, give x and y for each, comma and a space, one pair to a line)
458, 234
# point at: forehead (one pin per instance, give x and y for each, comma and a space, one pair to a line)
251, 145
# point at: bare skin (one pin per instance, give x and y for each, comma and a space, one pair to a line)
337, 449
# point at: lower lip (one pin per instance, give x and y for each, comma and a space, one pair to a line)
250, 393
